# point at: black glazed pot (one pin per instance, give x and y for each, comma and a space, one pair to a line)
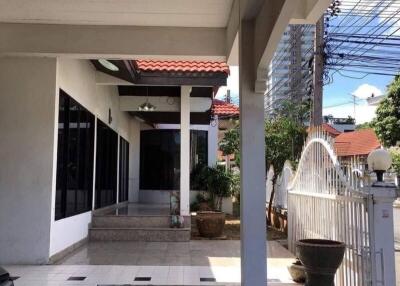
321, 258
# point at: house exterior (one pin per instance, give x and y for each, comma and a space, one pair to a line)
44, 54
341, 124
356, 145
94, 146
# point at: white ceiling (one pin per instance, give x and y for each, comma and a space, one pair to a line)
179, 13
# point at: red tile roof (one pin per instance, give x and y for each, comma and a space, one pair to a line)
330, 130
360, 142
182, 66
221, 107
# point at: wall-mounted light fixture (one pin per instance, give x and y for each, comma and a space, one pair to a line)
109, 116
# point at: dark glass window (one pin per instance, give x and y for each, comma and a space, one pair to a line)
198, 157
123, 169
160, 157
106, 165
74, 182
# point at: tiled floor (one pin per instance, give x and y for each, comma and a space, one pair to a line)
220, 261
192, 253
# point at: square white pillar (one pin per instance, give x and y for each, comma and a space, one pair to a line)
252, 150
185, 151
213, 142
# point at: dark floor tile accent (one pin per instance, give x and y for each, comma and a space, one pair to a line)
76, 278
13, 278
207, 279
142, 278
274, 280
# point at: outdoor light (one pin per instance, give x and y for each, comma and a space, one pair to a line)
147, 106
108, 65
379, 161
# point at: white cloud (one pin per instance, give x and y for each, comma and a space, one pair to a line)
363, 112
366, 90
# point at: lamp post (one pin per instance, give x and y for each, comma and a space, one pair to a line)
379, 161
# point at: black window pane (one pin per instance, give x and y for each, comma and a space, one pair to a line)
106, 165
198, 156
74, 185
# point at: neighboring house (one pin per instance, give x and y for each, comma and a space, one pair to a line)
331, 131
374, 100
356, 144
341, 124
228, 118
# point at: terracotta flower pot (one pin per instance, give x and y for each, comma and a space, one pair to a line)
321, 258
210, 223
275, 219
297, 272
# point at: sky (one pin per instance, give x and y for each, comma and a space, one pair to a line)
337, 96
338, 99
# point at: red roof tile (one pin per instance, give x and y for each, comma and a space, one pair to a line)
360, 142
182, 66
221, 107
330, 130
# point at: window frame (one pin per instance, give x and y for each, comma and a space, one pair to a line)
64, 165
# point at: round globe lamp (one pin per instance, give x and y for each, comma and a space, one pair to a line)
379, 161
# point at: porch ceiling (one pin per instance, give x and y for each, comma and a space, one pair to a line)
172, 13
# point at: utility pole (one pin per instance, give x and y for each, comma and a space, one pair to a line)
316, 118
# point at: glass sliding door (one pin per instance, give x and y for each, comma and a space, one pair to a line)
123, 169
74, 181
106, 165
159, 159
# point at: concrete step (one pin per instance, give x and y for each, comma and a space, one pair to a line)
131, 221
139, 234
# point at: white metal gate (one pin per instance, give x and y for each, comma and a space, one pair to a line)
325, 201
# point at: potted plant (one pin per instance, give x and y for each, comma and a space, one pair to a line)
219, 183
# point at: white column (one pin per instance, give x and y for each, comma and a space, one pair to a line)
213, 142
185, 151
382, 232
252, 150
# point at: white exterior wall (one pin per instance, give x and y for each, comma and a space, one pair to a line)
27, 110
77, 79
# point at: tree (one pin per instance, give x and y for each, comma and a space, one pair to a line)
387, 121
284, 139
365, 125
395, 152
230, 144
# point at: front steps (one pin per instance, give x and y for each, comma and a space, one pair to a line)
136, 228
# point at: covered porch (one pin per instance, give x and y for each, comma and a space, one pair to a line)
45, 53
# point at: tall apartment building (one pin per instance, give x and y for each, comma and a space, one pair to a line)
288, 74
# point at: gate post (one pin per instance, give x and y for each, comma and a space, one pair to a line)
382, 233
